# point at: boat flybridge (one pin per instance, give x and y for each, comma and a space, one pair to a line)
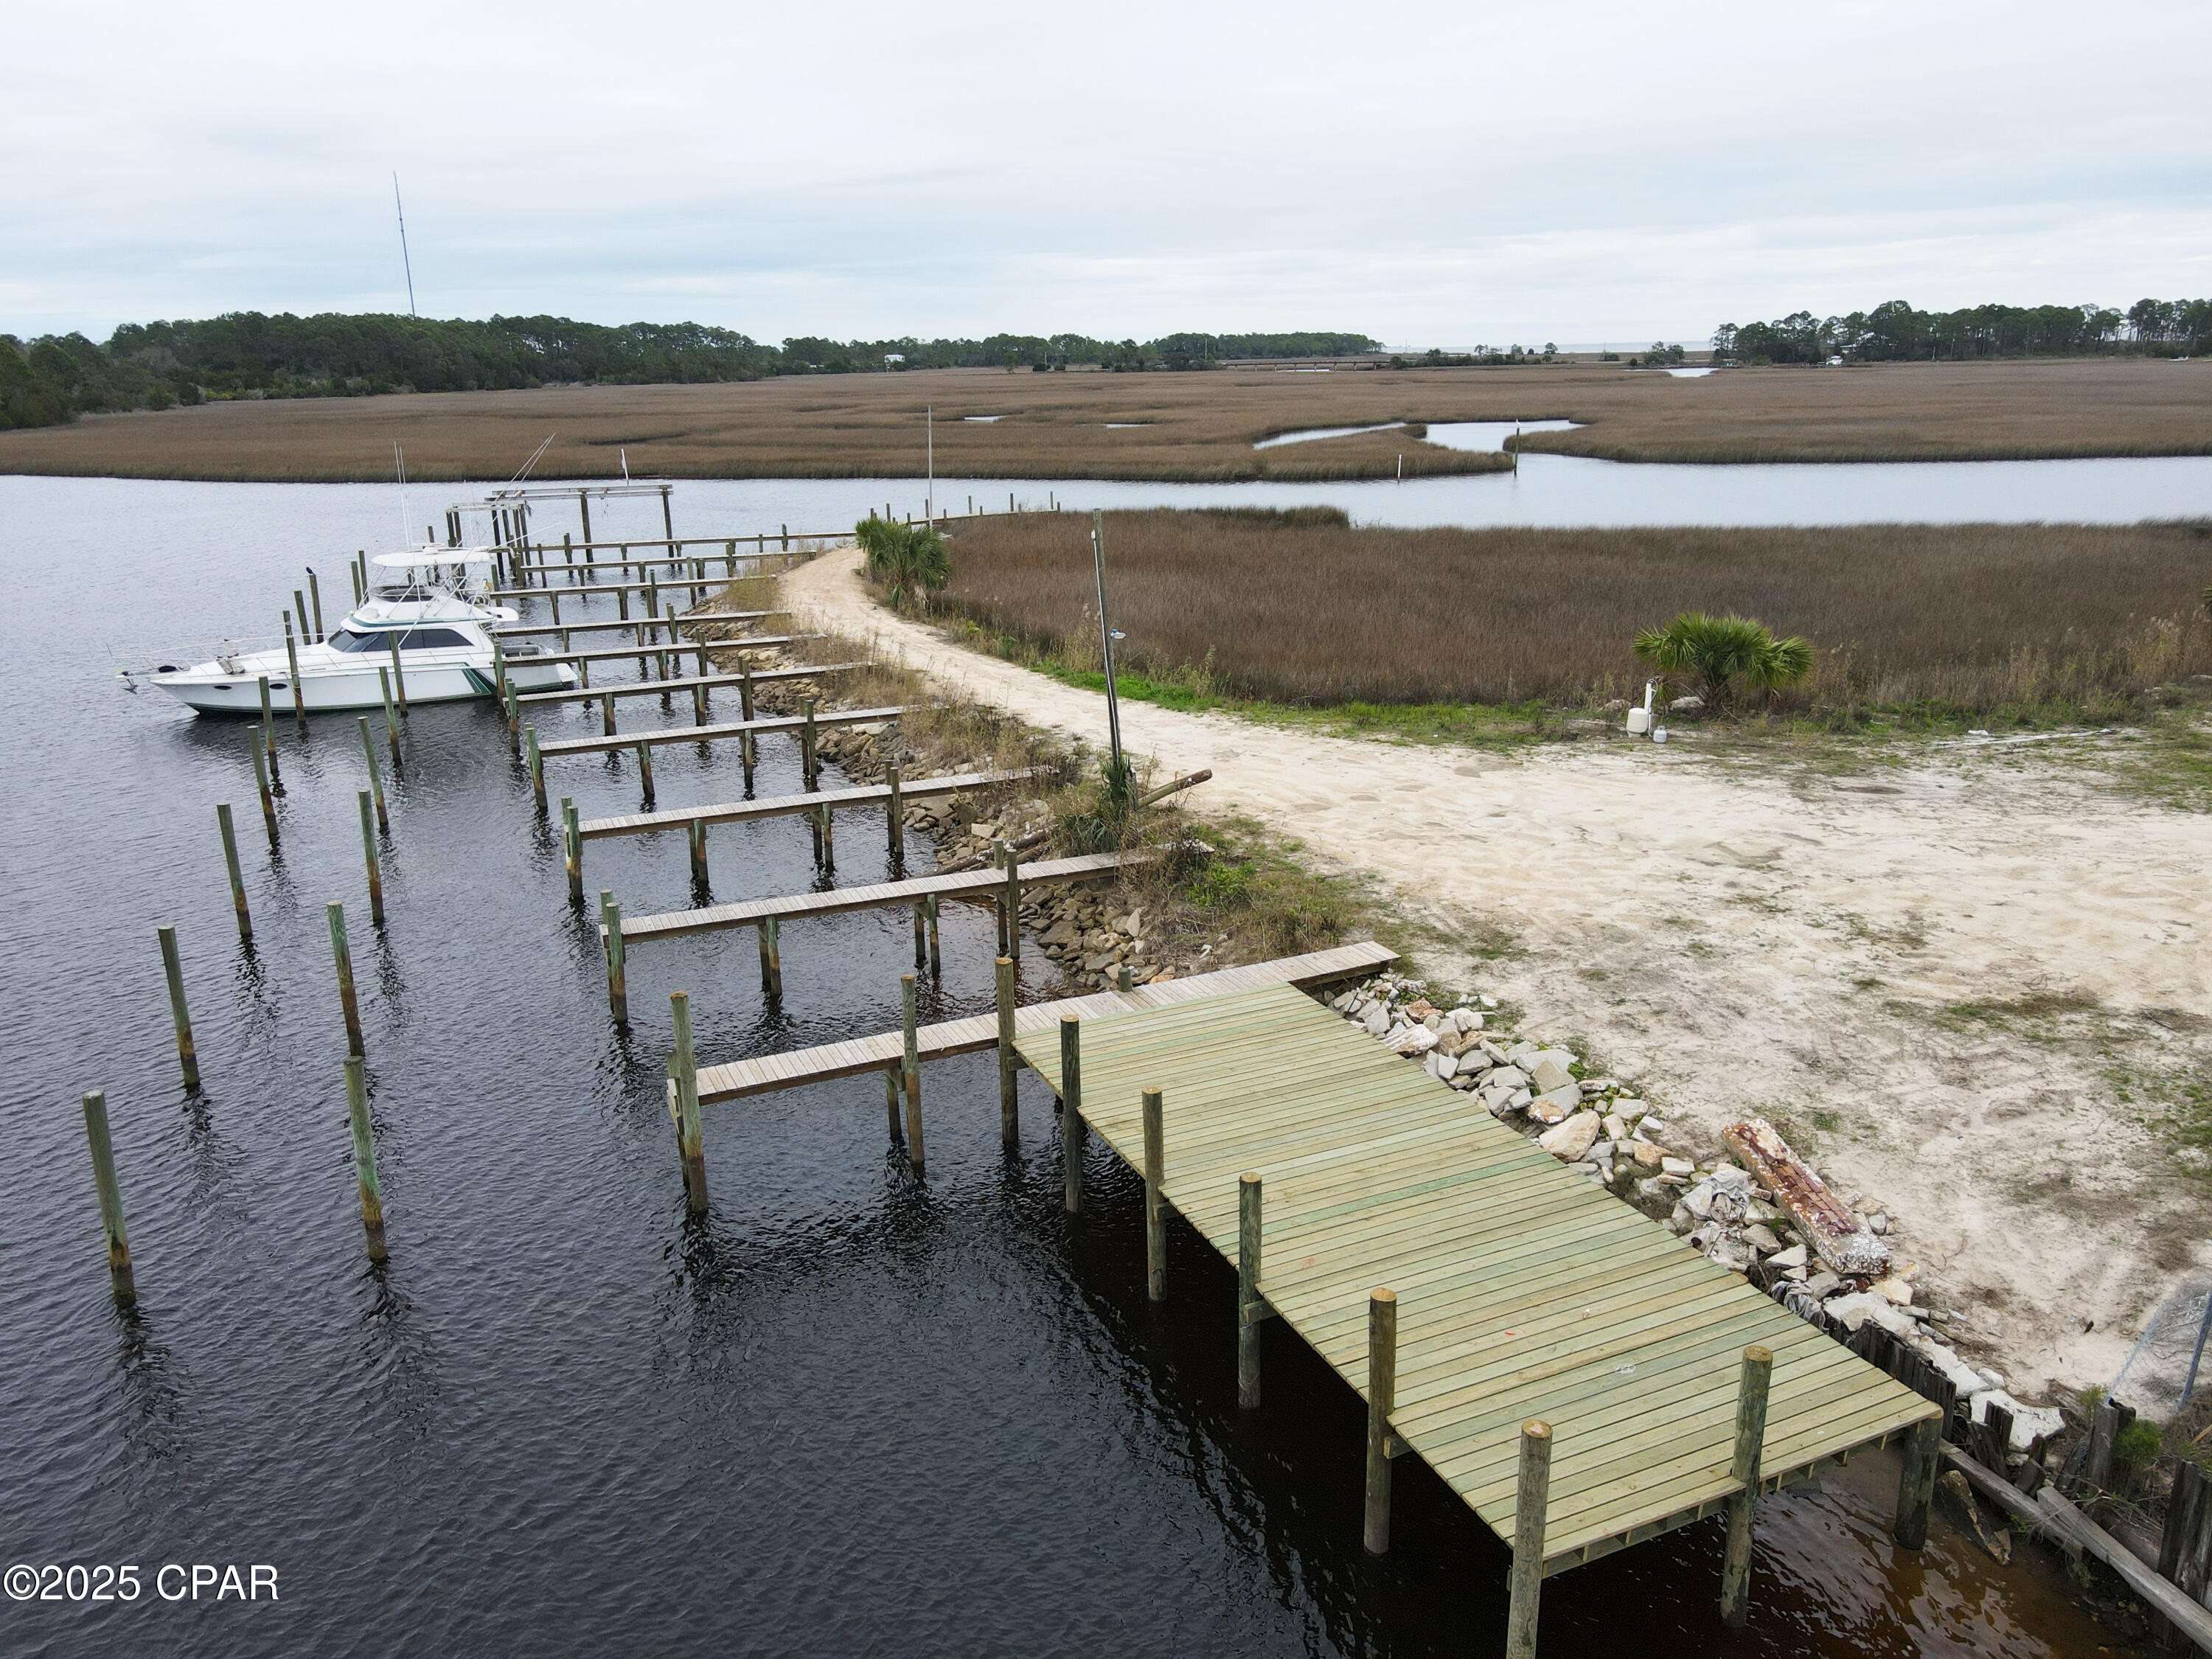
430, 600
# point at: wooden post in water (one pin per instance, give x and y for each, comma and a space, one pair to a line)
699, 851
1250, 1308
1382, 1392
315, 597
261, 782
1529, 1503
806, 749
498, 668
645, 770
514, 715
390, 721
342, 957
173, 968
111, 1197
299, 692
1013, 863
368, 854
398, 673
607, 714
1010, 1111
376, 777
936, 956
698, 705
1156, 1214
691, 1133
892, 1076
894, 815
1070, 1110
299, 610
910, 1067
1916, 1483
1750, 1438
237, 876
572, 850
269, 737
771, 955
921, 952
618, 976
537, 765
825, 823
745, 711
364, 1157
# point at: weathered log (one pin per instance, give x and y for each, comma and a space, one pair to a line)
1844, 1243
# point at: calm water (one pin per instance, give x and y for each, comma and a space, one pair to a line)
851, 1412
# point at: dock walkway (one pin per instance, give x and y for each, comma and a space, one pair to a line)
771, 807
686, 682
629, 740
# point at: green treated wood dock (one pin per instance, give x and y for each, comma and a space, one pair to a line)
1522, 1291
772, 806
685, 683
661, 734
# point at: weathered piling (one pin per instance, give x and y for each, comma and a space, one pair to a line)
237, 876
375, 776
572, 850
771, 957
1070, 1110
1750, 1438
342, 956
910, 1067
748, 751
315, 597
391, 719
1529, 1503
807, 761
691, 1133
607, 714
299, 692
892, 1090
920, 951
1010, 1114
1251, 1309
172, 966
299, 610
1916, 1483
1156, 1204
269, 737
645, 771
698, 705
1124, 980
936, 952
537, 765
261, 781
364, 1157
514, 714
895, 817
398, 671
1382, 1391
368, 857
1013, 901
696, 833
617, 975
111, 1197
825, 829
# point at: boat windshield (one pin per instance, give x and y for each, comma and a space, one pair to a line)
413, 638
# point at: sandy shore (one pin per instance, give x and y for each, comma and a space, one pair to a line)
1740, 938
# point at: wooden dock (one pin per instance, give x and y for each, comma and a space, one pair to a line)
729, 729
744, 811
687, 648
979, 886
665, 619
686, 682
858, 1055
1520, 1293
584, 590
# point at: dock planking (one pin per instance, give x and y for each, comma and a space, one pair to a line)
1522, 1291
710, 682
730, 729
686, 648
741, 812
857, 1056
665, 619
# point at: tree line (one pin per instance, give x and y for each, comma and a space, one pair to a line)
247, 354
1896, 332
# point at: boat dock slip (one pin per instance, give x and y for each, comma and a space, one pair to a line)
666, 619
1522, 1295
731, 729
858, 1055
679, 583
688, 649
739, 811
982, 886
709, 682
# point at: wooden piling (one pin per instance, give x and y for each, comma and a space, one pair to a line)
261, 782
537, 765
173, 968
895, 816
698, 705
1529, 1503
237, 876
498, 668
111, 1197
745, 712
398, 671
299, 610
806, 763
1916, 1483
1750, 1438
1382, 1399
1010, 1112
391, 720
1251, 1311
607, 714
572, 850
910, 1067
771, 955
1013, 861
617, 975
364, 1157
691, 1133
368, 856
299, 692
342, 956
1156, 1204
921, 950
1123, 979
645, 771
269, 738
936, 951
315, 597
514, 714
1070, 1110
375, 776
698, 835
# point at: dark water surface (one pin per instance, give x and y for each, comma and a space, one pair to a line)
851, 1412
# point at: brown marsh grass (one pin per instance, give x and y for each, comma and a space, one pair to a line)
1192, 426
1302, 608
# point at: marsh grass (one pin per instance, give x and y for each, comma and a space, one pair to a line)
1193, 427
1921, 623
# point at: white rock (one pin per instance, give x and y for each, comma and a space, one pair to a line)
1991, 1379
1467, 1019
1616, 1126
1822, 1282
1628, 1107
1729, 1255
1878, 1222
1677, 1166
1559, 1105
1487, 1002
1416, 1040
1438, 1067
1899, 1293
1762, 1239
1509, 1076
2027, 1421
1376, 1020
1571, 1139
1793, 1257
1854, 1310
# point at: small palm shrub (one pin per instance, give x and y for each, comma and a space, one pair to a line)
910, 560
1723, 655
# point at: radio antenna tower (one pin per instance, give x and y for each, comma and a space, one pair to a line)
405, 261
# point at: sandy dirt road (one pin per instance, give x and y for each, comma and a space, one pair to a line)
1840, 952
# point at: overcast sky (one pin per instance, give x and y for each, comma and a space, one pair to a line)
1431, 174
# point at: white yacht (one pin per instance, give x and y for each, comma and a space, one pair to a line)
425, 599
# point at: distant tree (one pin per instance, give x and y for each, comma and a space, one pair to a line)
1725, 655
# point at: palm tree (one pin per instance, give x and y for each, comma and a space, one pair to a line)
1725, 654
910, 560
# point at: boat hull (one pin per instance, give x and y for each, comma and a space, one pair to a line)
330, 690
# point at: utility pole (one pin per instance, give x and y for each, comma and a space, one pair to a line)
1106, 645
929, 429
